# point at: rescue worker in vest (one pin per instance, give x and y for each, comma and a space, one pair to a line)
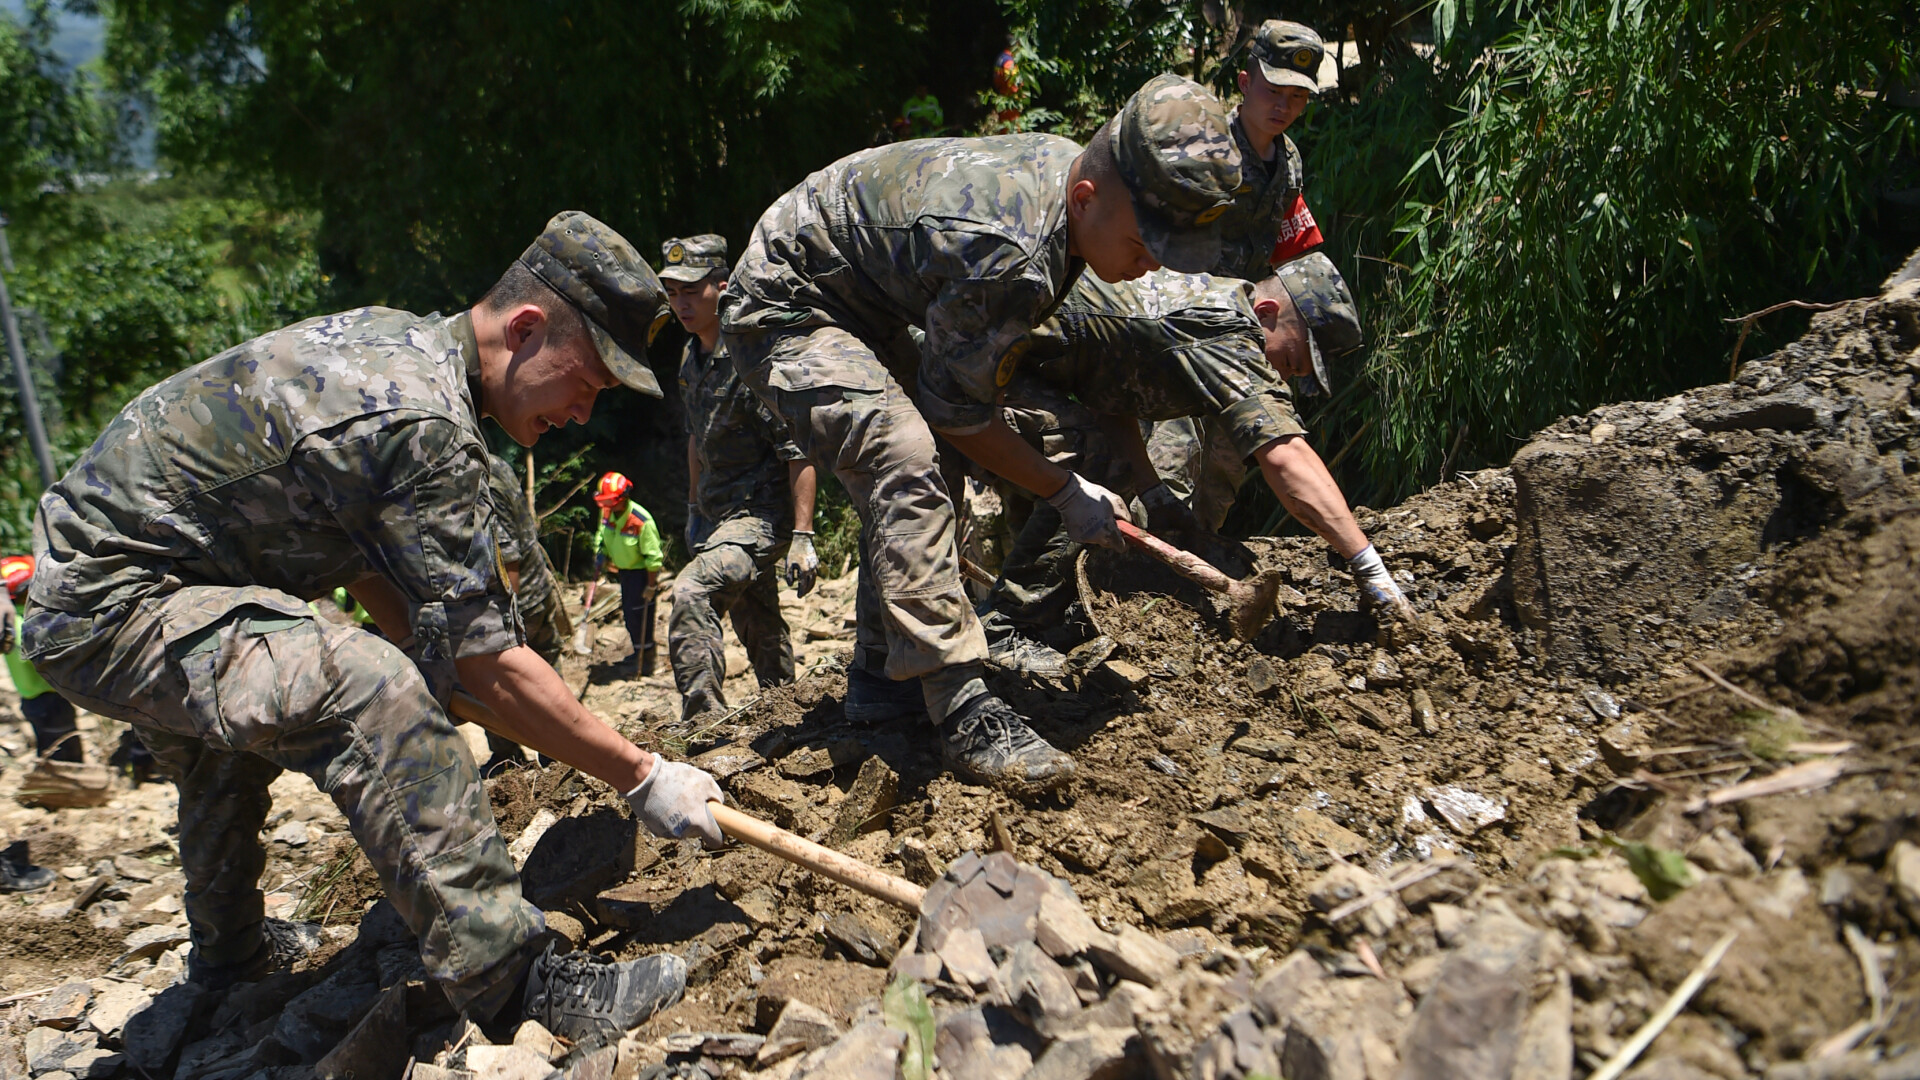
175, 560
49, 715
629, 540
749, 500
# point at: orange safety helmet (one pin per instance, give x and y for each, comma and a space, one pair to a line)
612, 490
17, 572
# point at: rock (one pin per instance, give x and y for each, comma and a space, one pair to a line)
810, 762
1424, 716
761, 906
114, 1005
1342, 1029
1601, 703
314, 1022
1227, 825
995, 895
151, 1035
1601, 433
1465, 811
63, 1006
597, 1065
560, 923
95, 1064
532, 1035
509, 1063
1316, 840
869, 802
870, 1051
1120, 675
921, 967
858, 940
425, 1071
800, 1028
920, 865
578, 857
292, 834
1384, 670
730, 760
1263, 676
1546, 1042
48, 1048
1792, 410
1903, 866
965, 955
151, 941
1094, 1054
1132, 954
1449, 886
1063, 928
1038, 985
1667, 1068
137, 869
1470, 1022
984, 1044
377, 1045
523, 844
728, 1044
1276, 749
1449, 923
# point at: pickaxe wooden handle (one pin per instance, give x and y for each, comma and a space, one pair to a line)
764, 835
1250, 604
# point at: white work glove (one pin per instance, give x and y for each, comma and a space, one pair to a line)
803, 566
1167, 512
1377, 587
1090, 512
672, 802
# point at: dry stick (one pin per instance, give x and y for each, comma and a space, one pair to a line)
1362, 903
1746, 321
1001, 837
1805, 776
1876, 986
1446, 463
1755, 701
1658, 1022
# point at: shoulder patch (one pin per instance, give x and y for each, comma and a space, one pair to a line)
1010, 361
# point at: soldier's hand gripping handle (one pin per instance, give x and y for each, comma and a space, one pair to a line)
672, 802
1090, 512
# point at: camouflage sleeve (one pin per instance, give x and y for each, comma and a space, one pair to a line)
411, 492
971, 326
775, 431
509, 506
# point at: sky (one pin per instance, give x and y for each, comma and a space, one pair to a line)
79, 37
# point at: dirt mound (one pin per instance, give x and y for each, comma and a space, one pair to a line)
1659, 689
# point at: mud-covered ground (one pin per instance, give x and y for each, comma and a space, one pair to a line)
1658, 601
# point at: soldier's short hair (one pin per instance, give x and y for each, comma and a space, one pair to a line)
1272, 288
1098, 163
520, 285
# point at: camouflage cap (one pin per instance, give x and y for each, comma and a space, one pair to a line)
1288, 53
1326, 307
1178, 158
602, 275
693, 258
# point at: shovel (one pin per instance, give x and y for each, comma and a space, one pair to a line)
767, 837
1250, 604
583, 634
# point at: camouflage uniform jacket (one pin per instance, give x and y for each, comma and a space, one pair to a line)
518, 536
963, 238
742, 450
1260, 208
1164, 346
334, 449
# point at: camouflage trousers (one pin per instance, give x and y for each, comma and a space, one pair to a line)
1197, 459
736, 579
850, 418
1036, 582
230, 685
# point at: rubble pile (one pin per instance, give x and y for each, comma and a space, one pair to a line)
1651, 731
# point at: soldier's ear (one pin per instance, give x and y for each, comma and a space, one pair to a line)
1267, 310
524, 324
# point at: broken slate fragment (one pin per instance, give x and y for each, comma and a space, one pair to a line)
1132, 954
984, 1044
869, 802
868, 1052
509, 1063
1038, 985
1467, 812
1094, 1054
858, 940
63, 1006
800, 1028
118, 1002
965, 955
48, 1048
1064, 929
1275, 749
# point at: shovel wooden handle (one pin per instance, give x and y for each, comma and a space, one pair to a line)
800, 851
764, 835
1188, 564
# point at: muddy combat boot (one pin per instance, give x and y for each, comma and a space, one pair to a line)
581, 996
987, 742
19, 875
282, 945
876, 699
1021, 655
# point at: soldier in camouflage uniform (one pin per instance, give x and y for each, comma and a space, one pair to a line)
530, 576
1269, 223
973, 241
177, 557
1169, 347
749, 500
